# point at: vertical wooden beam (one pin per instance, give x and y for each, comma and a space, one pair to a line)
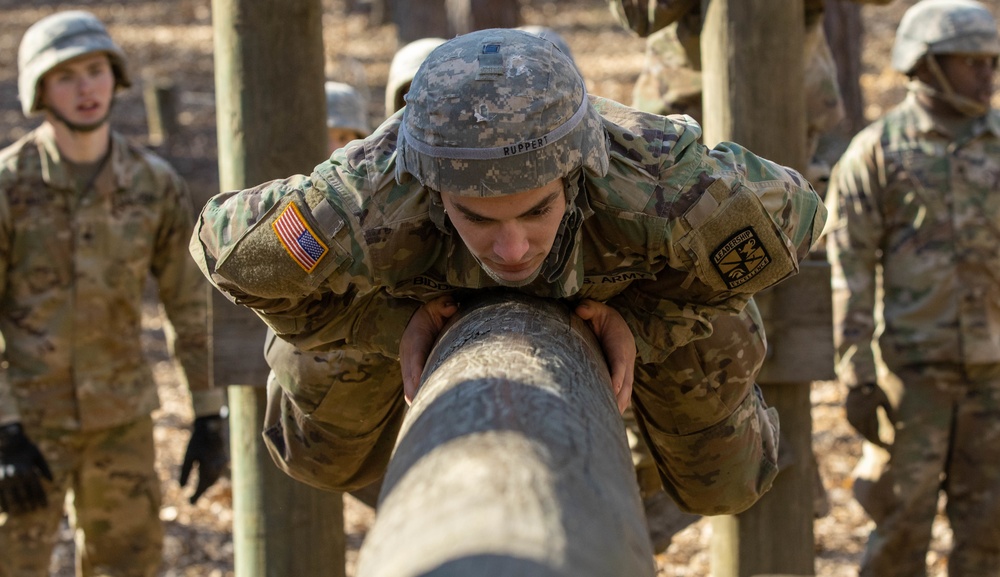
512, 459
271, 118
159, 96
416, 19
753, 71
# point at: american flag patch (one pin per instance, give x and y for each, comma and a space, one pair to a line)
298, 239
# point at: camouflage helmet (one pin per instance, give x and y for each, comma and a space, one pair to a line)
56, 39
550, 35
943, 27
404, 65
496, 112
345, 108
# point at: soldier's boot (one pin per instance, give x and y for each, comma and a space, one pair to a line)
663, 518
369, 493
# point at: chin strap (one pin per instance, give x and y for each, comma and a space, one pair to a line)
966, 106
84, 128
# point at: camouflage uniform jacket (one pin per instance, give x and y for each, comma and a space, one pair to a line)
72, 270
673, 234
917, 208
659, 233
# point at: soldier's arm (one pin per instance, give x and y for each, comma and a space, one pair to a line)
291, 252
9, 412
853, 247
647, 16
184, 295
733, 224
744, 225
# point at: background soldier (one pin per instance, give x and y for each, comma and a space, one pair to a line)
85, 217
346, 115
502, 172
914, 235
404, 65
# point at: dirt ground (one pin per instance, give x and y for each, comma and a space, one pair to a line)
173, 39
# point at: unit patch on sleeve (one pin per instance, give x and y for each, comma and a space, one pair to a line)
740, 258
298, 238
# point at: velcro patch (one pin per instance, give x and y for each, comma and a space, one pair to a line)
298, 238
740, 258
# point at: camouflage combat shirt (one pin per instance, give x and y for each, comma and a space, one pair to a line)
673, 234
915, 207
72, 271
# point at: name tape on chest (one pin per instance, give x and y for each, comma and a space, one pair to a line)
298, 238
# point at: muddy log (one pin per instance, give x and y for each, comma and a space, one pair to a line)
512, 460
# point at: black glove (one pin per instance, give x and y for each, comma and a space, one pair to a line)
21, 463
207, 447
862, 406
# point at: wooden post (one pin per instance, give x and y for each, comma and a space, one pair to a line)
160, 98
416, 19
512, 459
753, 71
465, 16
271, 123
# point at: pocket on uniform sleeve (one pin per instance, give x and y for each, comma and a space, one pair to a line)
289, 252
735, 245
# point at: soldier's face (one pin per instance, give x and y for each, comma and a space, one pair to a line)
338, 137
970, 75
511, 235
79, 91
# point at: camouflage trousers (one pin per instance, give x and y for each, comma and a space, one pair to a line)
109, 485
945, 438
333, 417
734, 353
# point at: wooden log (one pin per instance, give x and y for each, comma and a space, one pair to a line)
512, 460
271, 123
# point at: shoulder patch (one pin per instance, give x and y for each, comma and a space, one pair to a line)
298, 238
740, 258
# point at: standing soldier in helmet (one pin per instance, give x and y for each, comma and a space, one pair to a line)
346, 115
502, 172
85, 218
914, 239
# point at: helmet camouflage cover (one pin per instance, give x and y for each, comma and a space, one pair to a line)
56, 39
497, 112
943, 27
404, 65
345, 108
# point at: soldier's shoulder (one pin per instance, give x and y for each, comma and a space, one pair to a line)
10, 154
649, 141
140, 156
